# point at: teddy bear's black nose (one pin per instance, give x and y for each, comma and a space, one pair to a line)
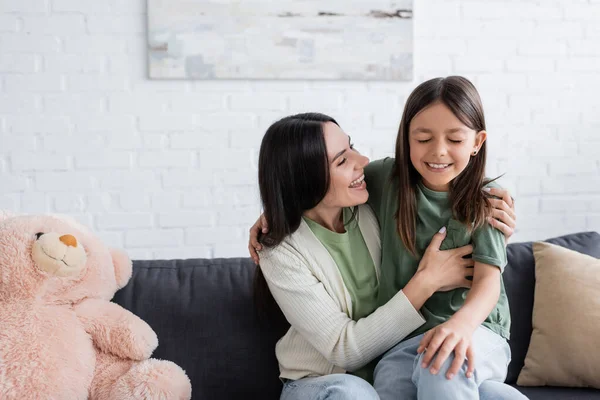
37, 235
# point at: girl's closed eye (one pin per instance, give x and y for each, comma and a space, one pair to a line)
456, 141
423, 140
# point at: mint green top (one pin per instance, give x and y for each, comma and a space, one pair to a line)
433, 211
350, 253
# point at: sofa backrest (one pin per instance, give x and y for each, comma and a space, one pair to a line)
202, 311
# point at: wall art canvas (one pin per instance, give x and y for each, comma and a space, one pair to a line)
280, 39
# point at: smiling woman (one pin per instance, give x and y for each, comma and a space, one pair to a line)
347, 187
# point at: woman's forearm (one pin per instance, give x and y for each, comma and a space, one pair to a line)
482, 297
418, 290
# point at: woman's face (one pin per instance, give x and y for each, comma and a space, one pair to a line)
441, 146
347, 187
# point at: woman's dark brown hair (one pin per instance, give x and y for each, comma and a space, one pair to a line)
468, 201
293, 176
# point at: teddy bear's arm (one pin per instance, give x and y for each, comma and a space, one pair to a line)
116, 330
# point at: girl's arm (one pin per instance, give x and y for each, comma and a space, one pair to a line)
455, 334
482, 297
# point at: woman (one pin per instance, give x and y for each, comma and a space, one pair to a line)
320, 259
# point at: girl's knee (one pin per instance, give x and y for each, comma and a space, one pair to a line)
424, 376
348, 386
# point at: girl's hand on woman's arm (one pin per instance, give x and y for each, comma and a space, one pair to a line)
503, 215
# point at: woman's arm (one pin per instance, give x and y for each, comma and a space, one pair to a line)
317, 316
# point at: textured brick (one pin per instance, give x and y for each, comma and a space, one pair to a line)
128, 220
84, 131
24, 6
54, 24
21, 63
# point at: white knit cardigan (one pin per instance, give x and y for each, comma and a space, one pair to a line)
308, 287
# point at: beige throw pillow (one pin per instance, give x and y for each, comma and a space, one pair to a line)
565, 343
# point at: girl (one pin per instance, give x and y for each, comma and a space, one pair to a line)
437, 178
310, 181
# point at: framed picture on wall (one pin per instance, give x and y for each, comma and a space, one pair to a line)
283, 39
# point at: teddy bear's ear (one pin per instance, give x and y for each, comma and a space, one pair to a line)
4, 214
122, 265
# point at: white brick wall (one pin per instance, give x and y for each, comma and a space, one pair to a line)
167, 169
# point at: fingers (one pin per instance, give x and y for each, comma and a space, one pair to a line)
468, 262
253, 254
501, 205
466, 284
502, 227
443, 354
464, 251
437, 240
254, 245
470, 362
460, 353
504, 217
434, 344
425, 341
504, 195
263, 223
254, 239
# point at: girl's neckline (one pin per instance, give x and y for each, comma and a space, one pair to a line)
433, 193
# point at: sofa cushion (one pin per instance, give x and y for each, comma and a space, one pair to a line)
566, 320
519, 279
203, 314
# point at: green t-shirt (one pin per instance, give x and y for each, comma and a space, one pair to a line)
433, 211
350, 253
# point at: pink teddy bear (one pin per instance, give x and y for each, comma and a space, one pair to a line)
60, 336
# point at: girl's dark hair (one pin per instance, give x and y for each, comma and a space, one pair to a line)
468, 201
293, 176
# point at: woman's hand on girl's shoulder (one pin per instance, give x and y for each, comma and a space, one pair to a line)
503, 216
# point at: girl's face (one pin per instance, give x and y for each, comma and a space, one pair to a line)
441, 146
347, 187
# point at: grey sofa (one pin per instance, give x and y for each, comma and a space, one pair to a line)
202, 311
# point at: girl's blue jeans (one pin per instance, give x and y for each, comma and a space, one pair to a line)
399, 376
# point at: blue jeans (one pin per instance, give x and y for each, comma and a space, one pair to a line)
399, 374
329, 387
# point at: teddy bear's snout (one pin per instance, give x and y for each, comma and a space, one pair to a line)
57, 254
69, 240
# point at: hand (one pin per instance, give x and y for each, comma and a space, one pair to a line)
452, 335
503, 215
447, 269
253, 244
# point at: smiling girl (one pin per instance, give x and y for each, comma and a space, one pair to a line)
437, 179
